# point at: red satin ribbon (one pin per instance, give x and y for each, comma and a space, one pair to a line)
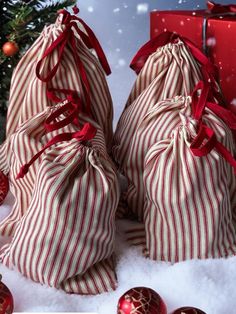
71, 96
206, 139
200, 102
218, 8
90, 40
67, 39
87, 132
209, 71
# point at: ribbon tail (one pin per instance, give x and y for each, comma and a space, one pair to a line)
96, 45
227, 155
23, 171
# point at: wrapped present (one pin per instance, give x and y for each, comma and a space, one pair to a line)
213, 31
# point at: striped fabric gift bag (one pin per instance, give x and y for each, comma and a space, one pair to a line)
164, 72
188, 182
61, 58
190, 201
63, 235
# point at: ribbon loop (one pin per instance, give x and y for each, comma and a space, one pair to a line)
199, 103
65, 37
206, 139
60, 124
85, 134
204, 142
60, 44
219, 8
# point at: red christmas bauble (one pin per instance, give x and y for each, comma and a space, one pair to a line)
4, 187
188, 310
6, 300
10, 48
141, 300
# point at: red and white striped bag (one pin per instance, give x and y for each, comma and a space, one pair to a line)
187, 181
164, 72
61, 58
66, 194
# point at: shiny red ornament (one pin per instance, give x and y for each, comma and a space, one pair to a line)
6, 299
4, 187
141, 300
10, 48
188, 310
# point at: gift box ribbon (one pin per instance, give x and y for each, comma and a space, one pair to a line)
216, 10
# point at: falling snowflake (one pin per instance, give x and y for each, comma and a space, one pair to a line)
116, 10
142, 8
121, 62
90, 9
120, 31
211, 41
233, 102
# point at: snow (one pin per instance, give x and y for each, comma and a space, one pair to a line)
206, 284
211, 42
233, 102
121, 63
142, 8
90, 9
116, 10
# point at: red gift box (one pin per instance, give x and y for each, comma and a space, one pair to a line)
216, 28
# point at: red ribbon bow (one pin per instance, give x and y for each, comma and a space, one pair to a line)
218, 8
206, 139
86, 133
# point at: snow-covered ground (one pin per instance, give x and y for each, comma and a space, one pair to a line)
122, 27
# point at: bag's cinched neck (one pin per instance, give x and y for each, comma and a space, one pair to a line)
208, 69
86, 132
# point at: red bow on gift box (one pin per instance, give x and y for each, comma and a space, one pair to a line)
218, 8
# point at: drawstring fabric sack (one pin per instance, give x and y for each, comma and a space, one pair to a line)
66, 195
163, 72
187, 180
66, 56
